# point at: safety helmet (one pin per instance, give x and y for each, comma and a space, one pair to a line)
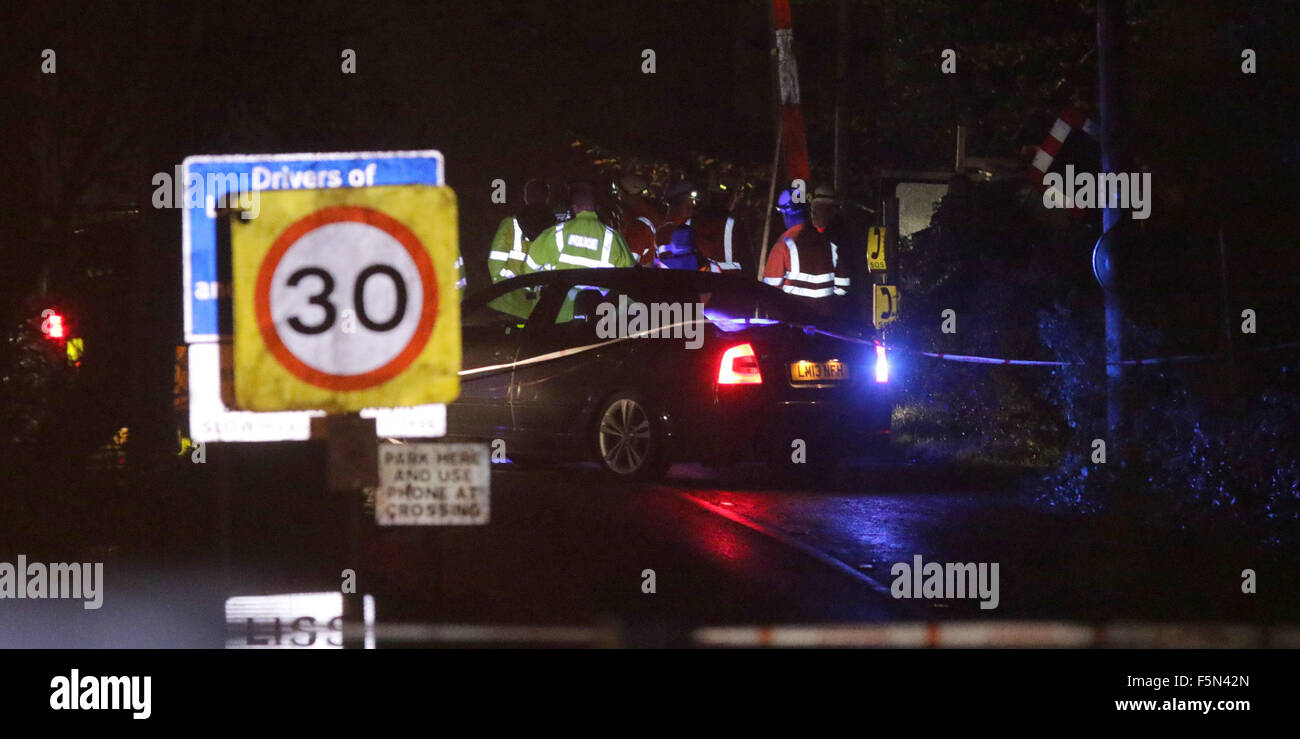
678, 189
825, 194
536, 191
633, 184
787, 205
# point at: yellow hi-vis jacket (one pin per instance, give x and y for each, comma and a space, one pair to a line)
508, 251
578, 243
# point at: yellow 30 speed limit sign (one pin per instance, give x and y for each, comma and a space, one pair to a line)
346, 299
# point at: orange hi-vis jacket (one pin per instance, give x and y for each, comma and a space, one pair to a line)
639, 229
721, 238
807, 266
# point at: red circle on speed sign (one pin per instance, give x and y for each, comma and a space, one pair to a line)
428, 314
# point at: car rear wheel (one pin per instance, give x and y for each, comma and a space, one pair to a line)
629, 439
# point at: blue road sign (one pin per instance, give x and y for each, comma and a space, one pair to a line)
208, 180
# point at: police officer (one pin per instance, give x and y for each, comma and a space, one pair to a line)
580, 242
515, 234
805, 262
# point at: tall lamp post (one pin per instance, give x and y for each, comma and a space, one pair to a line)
1110, 67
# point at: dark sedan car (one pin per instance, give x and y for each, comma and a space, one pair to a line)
641, 368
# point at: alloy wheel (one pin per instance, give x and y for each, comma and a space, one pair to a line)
625, 436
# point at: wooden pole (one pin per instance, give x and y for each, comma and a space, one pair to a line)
771, 200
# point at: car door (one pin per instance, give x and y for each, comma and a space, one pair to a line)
492, 328
564, 363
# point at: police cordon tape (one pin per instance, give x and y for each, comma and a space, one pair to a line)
560, 354
1043, 363
648, 333
1033, 362
1004, 634
1008, 634
972, 359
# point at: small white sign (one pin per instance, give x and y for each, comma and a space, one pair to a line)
292, 621
433, 484
211, 421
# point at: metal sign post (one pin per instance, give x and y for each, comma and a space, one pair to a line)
1111, 31
352, 464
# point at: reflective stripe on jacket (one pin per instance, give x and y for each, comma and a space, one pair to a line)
579, 243
716, 240
508, 252
811, 272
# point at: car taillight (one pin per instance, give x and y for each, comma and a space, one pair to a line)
739, 366
882, 364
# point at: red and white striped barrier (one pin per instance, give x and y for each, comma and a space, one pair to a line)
796, 146
1004, 634
1068, 122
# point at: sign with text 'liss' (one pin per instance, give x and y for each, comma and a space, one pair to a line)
292, 621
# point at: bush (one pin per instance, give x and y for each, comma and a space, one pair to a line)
1207, 447
993, 264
